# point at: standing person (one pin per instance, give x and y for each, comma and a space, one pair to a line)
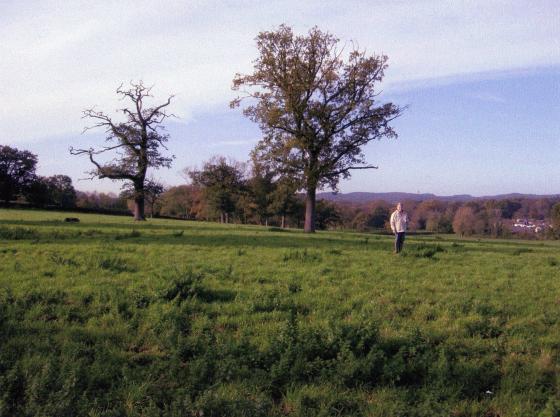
399, 221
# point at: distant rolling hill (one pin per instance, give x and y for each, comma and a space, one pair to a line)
364, 197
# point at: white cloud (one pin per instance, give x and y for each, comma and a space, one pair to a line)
488, 97
61, 57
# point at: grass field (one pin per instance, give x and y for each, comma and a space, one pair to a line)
171, 318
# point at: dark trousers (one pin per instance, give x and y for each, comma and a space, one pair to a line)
399, 241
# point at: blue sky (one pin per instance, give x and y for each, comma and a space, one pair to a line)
481, 78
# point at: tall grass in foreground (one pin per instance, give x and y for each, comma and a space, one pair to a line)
170, 318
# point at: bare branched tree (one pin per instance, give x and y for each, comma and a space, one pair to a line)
137, 142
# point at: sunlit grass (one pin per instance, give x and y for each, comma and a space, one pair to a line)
111, 317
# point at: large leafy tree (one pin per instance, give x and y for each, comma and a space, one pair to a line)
261, 186
55, 191
135, 143
222, 183
464, 222
61, 191
17, 171
316, 106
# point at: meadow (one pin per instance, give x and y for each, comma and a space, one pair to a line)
107, 317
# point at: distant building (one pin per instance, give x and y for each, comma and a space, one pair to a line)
526, 225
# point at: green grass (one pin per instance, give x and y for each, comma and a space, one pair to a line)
108, 317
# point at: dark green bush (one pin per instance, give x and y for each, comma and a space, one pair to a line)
187, 286
302, 256
115, 264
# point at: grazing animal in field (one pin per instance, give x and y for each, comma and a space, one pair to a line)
72, 220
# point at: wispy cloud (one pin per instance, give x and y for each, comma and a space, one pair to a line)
488, 97
61, 57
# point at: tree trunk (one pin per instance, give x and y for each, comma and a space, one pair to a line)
139, 208
283, 221
310, 200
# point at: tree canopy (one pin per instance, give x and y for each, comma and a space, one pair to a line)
222, 184
17, 171
56, 190
316, 106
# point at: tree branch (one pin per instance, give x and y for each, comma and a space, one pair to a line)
345, 170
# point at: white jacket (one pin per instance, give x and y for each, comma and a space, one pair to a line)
399, 221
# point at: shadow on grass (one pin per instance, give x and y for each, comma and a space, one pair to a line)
190, 285
218, 235
198, 235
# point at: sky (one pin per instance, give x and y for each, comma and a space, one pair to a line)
481, 80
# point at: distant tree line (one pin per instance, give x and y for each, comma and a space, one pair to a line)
482, 217
19, 181
230, 191
234, 192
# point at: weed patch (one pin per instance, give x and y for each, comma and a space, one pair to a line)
294, 287
18, 233
61, 260
266, 302
115, 264
186, 287
302, 256
9, 251
131, 235
424, 251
